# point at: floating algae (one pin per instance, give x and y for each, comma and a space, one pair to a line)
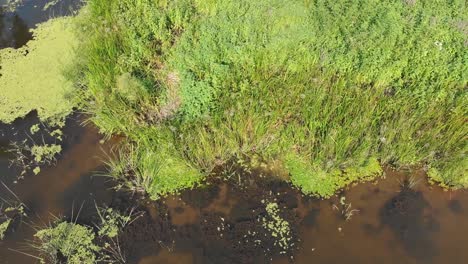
31, 78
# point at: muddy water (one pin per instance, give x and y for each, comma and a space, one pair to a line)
60, 189
220, 223
392, 223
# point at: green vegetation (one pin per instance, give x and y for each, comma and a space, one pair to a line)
31, 78
329, 89
4, 227
45, 153
74, 242
79, 243
31, 158
277, 227
8, 214
112, 222
10, 5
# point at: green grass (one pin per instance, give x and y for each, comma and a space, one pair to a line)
329, 88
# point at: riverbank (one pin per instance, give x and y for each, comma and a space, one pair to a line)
326, 96
400, 223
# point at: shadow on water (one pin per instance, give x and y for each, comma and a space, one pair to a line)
15, 25
14, 31
222, 224
408, 215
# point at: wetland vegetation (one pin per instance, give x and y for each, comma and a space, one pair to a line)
327, 91
271, 105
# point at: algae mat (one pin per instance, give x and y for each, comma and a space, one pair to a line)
31, 78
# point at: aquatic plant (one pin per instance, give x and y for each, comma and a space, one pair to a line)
112, 221
410, 182
73, 241
10, 211
32, 77
31, 158
4, 227
331, 89
10, 5
277, 227
14, 210
77, 243
346, 209
45, 153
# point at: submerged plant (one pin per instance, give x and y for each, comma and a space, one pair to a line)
112, 221
10, 211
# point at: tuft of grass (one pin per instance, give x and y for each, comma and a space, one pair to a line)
330, 88
152, 167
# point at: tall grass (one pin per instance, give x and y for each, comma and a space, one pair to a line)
329, 88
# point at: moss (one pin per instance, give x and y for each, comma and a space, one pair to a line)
445, 177
31, 77
311, 179
174, 174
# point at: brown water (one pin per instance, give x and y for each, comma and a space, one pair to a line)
393, 224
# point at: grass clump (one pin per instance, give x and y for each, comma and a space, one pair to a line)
332, 89
70, 242
31, 78
154, 169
